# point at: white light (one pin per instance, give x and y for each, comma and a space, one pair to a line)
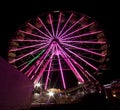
57, 11
36, 94
114, 95
107, 85
106, 97
51, 94
80, 83
37, 85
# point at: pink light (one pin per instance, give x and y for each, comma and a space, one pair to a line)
39, 30
71, 27
28, 65
82, 59
41, 72
29, 70
24, 67
24, 63
84, 42
63, 35
45, 26
61, 71
83, 49
33, 34
37, 63
51, 22
46, 83
86, 34
82, 69
73, 68
26, 40
90, 75
57, 69
65, 25
64, 56
32, 52
26, 47
58, 23
43, 57
90, 58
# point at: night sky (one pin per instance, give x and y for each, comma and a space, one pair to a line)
13, 15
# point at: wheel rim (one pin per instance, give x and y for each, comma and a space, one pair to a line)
59, 49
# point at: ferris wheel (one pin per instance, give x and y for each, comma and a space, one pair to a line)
59, 49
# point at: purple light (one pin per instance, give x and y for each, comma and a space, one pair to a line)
71, 27
61, 71
39, 30
73, 68
29, 71
24, 40
43, 57
65, 25
63, 35
32, 52
26, 47
45, 27
85, 72
51, 22
83, 49
63, 54
83, 60
23, 68
46, 83
58, 23
33, 34
41, 72
86, 34
85, 42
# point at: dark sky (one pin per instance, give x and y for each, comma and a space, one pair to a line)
14, 14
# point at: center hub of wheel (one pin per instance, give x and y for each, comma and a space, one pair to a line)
55, 39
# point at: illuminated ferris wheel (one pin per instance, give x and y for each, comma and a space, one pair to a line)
58, 48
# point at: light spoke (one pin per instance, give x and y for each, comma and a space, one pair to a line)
36, 35
51, 22
85, 72
39, 30
48, 74
61, 71
26, 47
82, 59
83, 49
29, 40
72, 68
45, 26
63, 54
29, 62
58, 23
79, 29
84, 42
41, 72
65, 25
42, 58
81, 35
72, 26
30, 53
